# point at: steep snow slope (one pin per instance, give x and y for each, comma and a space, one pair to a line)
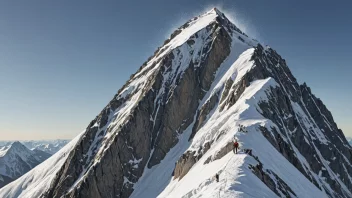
16, 160
170, 128
236, 179
37, 181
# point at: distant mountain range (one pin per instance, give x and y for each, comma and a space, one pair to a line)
17, 158
48, 146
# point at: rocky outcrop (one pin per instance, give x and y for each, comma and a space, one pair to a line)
313, 136
188, 159
184, 164
273, 181
221, 153
203, 113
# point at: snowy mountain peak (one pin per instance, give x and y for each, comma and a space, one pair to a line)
14, 148
170, 129
16, 159
18, 147
214, 12
16, 143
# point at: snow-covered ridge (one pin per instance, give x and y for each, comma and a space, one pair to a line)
199, 181
237, 179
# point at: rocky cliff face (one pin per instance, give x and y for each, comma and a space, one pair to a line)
170, 128
306, 127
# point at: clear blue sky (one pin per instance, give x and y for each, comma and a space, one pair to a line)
62, 61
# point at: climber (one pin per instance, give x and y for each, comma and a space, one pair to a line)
235, 146
217, 177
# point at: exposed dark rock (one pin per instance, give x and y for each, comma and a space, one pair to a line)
203, 113
222, 152
295, 135
188, 159
268, 176
184, 164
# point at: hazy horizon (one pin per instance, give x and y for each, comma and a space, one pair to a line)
34, 140
62, 62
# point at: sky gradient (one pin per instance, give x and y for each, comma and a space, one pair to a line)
61, 62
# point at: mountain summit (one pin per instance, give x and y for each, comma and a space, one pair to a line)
170, 129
